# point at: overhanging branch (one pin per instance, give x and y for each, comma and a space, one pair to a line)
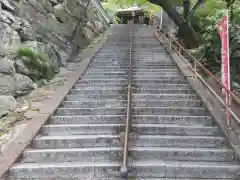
186, 8
194, 8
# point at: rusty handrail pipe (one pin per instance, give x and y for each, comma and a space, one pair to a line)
124, 167
227, 106
202, 66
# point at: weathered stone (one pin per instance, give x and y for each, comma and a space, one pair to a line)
53, 32
24, 84
53, 2
62, 56
22, 105
37, 6
47, 5
20, 67
52, 24
7, 5
9, 15
98, 25
27, 31
27, 34
3, 17
60, 13
89, 33
15, 85
49, 36
7, 85
13, 21
7, 104
75, 8
9, 38
6, 65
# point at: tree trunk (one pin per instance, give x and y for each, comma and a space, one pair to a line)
190, 39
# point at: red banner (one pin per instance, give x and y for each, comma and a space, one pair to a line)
222, 28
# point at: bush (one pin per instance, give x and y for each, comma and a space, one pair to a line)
207, 19
36, 63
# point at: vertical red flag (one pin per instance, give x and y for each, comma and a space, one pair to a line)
222, 28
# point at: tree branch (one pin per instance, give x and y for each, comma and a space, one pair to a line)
194, 8
169, 8
186, 8
186, 31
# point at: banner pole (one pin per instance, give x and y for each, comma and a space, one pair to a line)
228, 96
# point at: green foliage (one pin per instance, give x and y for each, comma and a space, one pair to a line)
207, 18
36, 63
112, 6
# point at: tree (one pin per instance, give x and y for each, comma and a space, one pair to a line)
186, 31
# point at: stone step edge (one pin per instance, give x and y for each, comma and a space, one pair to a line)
133, 125
41, 137
138, 148
140, 107
140, 163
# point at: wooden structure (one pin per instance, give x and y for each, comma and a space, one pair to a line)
126, 15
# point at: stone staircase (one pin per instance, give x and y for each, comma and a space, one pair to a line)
173, 136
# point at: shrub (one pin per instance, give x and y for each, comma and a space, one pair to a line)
36, 63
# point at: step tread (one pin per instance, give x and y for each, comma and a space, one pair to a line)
169, 149
139, 136
133, 125
143, 163
116, 107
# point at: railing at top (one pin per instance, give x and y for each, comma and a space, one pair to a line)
174, 44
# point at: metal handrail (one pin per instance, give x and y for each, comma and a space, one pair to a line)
197, 75
124, 167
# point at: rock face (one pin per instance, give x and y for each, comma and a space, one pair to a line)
54, 29
6, 65
15, 85
9, 38
7, 103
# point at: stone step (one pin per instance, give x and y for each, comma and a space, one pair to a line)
140, 168
108, 140
182, 111
114, 154
142, 77
172, 69
146, 97
159, 67
94, 104
143, 129
139, 119
147, 61
136, 103
135, 81
103, 81
139, 68
120, 73
106, 69
176, 97
91, 111
117, 178
83, 97
136, 90
138, 59
142, 70
142, 86
99, 86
